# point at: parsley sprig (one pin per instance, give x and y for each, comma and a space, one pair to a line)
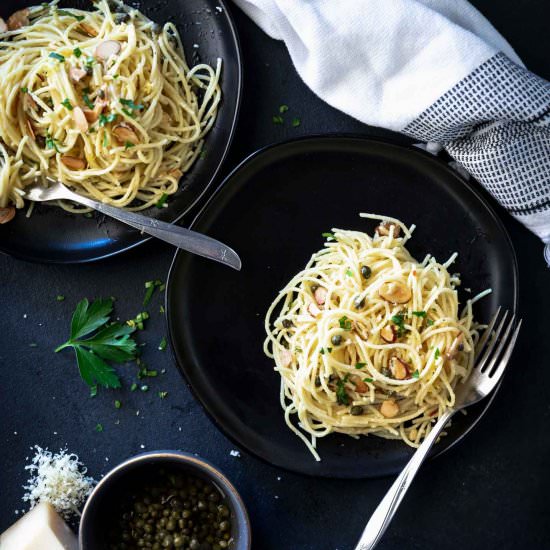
95, 340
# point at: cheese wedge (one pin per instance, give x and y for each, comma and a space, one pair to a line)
40, 529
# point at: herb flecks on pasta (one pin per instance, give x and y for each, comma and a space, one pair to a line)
103, 101
368, 340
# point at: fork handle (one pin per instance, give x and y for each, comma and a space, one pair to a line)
382, 516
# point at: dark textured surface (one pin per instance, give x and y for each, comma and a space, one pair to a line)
489, 492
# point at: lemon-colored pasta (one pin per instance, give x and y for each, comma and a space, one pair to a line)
54, 69
325, 332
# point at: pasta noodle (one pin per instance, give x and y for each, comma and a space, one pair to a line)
367, 340
103, 101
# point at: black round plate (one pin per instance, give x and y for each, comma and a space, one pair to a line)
272, 210
53, 235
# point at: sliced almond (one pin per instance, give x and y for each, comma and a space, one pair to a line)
384, 229
395, 292
455, 347
88, 29
91, 115
73, 163
107, 49
286, 358
399, 369
361, 330
125, 134
76, 74
31, 130
389, 408
80, 119
388, 334
360, 386
175, 173
313, 310
18, 19
320, 295
7, 214
3, 26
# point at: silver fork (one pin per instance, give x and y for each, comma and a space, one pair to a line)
492, 355
173, 234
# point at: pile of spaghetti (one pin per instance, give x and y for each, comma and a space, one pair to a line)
103, 101
368, 340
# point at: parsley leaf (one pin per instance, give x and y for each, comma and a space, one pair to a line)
429, 322
162, 345
399, 321
296, 122
67, 104
57, 56
69, 14
349, 272
368, 379
51, 143
105, 341
86, 98
25, 90
283, 109
277, 119
345, 323
329, 236
131, 105
341, 396
416, 374
437, 353
105, 119
77, 52
419, 314
360, 365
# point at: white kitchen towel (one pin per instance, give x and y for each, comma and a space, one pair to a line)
435, 70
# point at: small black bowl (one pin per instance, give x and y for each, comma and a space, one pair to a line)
110, 491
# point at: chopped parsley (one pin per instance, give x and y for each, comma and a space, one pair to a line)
360, 365
106, 119
429, 322
133, 387
349, 272
341, 396
328, 236
86, 99
131, 105
416, 374
77, 52
345, 323
25, 90
105, 140
149, 290
162, 201
162, 345
277, 119
329, 350
95, 340
118, 404
399, 321
369, 380
296, 122
283, 109
89, 62
421, 314
51, 143
67, 104
437, 353
60, 298
93, 391
99, 427
69, 14
57, 56
128, 145
163, 394
203, 154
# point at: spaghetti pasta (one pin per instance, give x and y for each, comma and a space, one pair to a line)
367, 340
103, 101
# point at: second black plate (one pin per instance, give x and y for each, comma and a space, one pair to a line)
272, 210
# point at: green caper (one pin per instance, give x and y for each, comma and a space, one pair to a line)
336, 339
356, 410
366, 271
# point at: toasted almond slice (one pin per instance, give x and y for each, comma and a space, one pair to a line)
399, 369
31, 130
384, 229
76, 74
73, 163
107, 49
320, 295
313, 310
388, 334
455, 347
7, 214
125, 134
286, 358
360, 329
395, 292
360, 386
80, 119
389, 408
91, 116
3, 26
88, 29
18, 19
175, 173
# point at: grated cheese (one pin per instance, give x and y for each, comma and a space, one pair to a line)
59, 479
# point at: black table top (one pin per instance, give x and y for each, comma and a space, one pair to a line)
488, 492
